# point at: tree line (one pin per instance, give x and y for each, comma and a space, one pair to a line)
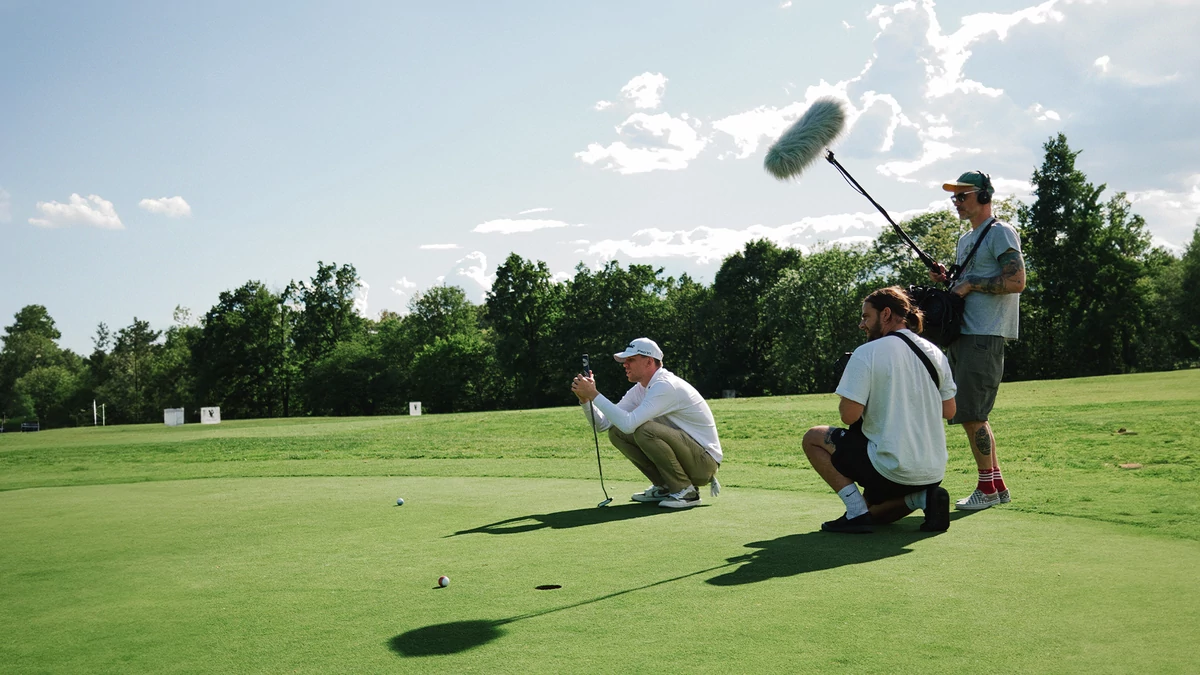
1099, 300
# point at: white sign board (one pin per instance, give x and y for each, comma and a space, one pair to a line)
210, 415
414, 407
172, 417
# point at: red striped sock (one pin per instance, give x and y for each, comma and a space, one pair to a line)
997, 480
986, 486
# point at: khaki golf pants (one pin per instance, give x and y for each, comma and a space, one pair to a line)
667, 456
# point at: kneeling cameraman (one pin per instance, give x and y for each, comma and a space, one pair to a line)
895, 391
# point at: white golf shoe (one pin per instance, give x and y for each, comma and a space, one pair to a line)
978, 501
654, 493
684, 499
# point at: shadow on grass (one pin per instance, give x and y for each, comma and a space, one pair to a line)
785, 556
567, 519
813, 551
446, 638
459, 636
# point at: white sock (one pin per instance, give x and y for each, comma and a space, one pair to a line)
853, 499
915, 500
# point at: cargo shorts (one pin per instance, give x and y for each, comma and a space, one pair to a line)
977, 362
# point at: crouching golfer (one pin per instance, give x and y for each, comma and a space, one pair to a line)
662, 425
895, 392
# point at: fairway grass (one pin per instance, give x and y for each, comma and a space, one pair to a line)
276, 546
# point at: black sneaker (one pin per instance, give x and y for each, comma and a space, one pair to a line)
937, 510
856, 525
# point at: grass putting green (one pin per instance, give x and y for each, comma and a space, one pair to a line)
276, 546
329, 575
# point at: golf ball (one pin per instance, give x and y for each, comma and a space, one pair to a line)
443, 581
399, 501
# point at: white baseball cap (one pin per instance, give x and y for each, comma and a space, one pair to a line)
643, 346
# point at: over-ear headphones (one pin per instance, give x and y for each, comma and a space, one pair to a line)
984, 195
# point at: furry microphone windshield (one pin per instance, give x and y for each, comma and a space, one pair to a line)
802, 143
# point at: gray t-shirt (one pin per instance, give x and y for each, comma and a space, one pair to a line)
988, 313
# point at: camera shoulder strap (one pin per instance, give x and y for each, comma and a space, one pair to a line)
959, 269
937, 382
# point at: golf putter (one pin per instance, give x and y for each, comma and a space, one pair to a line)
587, 371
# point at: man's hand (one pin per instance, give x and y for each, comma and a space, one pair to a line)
939, 275
584, 388
962, 287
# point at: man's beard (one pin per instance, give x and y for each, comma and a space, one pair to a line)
875, 331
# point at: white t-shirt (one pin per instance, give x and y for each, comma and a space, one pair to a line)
902, 420
669, 400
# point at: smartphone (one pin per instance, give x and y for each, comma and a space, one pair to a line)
587, 366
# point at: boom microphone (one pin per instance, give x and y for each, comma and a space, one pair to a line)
802, 143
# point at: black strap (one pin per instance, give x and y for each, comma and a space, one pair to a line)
937, 382
959, 269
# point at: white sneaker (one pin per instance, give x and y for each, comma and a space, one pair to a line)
684, 499
653, 493
978, 501
1005, 497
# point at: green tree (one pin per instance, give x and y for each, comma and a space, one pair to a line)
936, 233
1085, 259
29, 344
602, 311
812, 313
1183, 299
344, 381
523, 309
46, 393
128, 389
687, 336
238, 356
327, 314
741, 361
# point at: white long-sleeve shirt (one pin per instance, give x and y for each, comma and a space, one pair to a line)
669, 400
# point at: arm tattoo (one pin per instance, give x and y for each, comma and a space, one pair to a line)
983, 441
1012, 270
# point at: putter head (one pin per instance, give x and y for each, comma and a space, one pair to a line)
606, 502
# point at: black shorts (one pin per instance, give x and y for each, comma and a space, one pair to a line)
851, 460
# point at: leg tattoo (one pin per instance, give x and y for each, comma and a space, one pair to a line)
983, 441
829, 436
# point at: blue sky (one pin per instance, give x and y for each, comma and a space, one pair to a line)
156, 154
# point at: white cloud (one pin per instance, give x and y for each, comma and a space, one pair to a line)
172, 207
645, 90
931, 151
438, 247
474, 267
539, 209
559, 277
511, 226
656, 142
5, 206
95, 211
1044, 113
705, 245
944, 69
785, 4
1173, 212
403, 288
602, 105
1130, 76
360, 298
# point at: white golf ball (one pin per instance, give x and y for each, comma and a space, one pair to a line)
443, 581
399, 501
